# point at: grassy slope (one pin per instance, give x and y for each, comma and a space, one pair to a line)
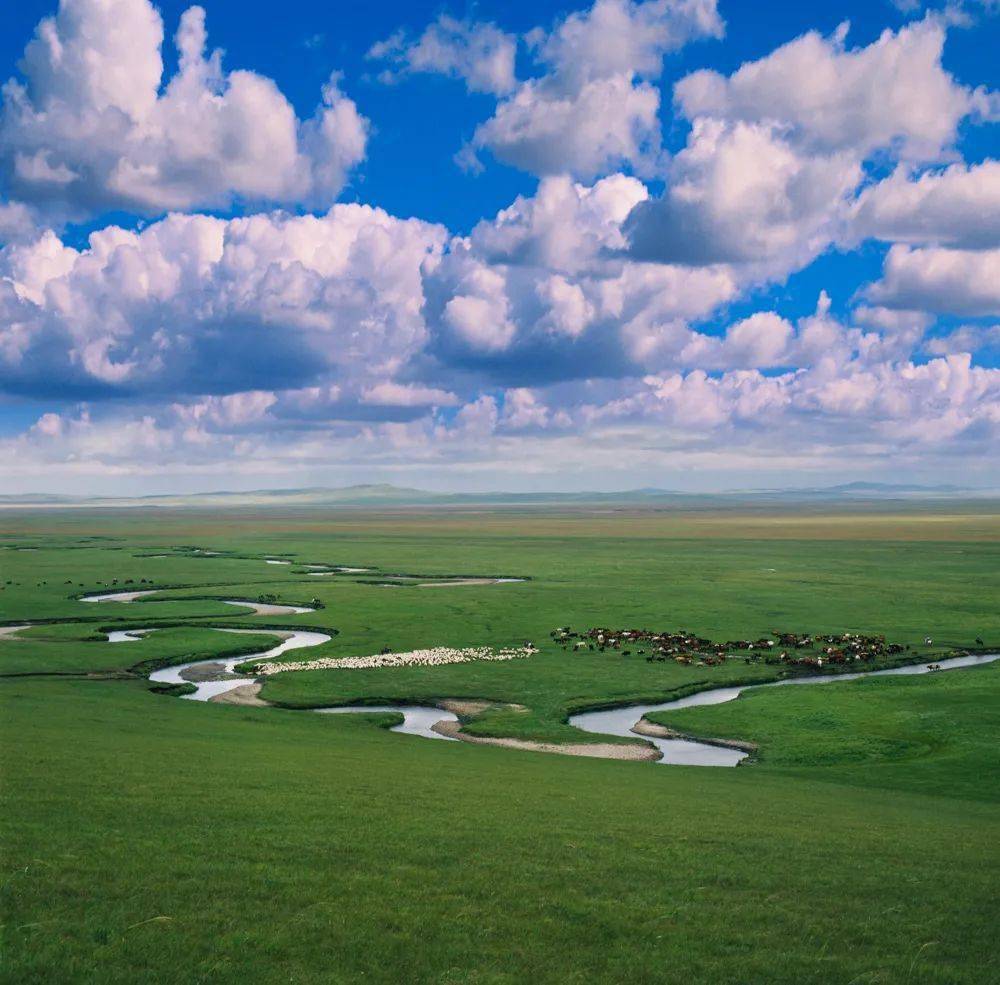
285, 846
153, 839
935, 733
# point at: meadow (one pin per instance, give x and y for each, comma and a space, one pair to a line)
150, 838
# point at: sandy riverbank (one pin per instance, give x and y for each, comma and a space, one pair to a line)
654, 731
596, 750
246, 695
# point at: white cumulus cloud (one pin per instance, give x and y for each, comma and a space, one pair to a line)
893, 93
481, 54
595, 107
94, 126
958, 206
204, 305
741, 193
960, 282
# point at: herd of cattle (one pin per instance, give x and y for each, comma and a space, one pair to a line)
799, 649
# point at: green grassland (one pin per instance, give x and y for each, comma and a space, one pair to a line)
80, 648
934, 734
152, 839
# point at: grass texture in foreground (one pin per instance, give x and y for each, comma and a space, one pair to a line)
151, 839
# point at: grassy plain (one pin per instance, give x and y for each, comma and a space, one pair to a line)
935, 734
152, 839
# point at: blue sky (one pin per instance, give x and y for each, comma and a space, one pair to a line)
676, 242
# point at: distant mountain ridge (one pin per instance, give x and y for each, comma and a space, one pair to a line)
388, 495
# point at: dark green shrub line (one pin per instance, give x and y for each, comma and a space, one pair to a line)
173, 690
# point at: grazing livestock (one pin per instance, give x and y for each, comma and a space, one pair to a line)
685, 648
434, 657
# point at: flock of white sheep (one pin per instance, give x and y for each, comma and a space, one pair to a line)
434, 657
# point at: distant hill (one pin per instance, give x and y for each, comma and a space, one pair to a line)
388, 496
863, 490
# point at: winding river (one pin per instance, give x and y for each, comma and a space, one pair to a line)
118, 596
215, 677
212, 678
687, 752
259, 608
